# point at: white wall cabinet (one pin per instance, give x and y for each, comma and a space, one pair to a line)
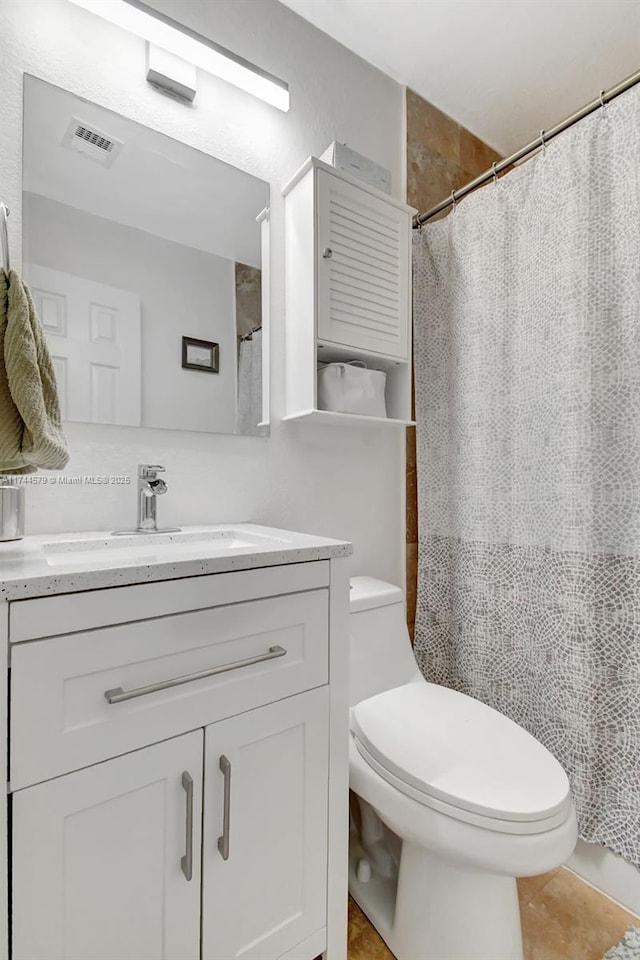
348, 287
228, 838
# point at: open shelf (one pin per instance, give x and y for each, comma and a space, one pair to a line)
329, 418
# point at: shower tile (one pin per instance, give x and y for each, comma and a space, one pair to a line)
430, 176
412, 501
475, 155
412, 579
427, 124
248, 284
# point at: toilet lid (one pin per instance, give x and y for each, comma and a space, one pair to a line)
460, 751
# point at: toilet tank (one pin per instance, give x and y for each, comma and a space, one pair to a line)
380, 654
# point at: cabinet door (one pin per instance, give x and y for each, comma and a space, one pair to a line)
363, 269
265, 856
98, 868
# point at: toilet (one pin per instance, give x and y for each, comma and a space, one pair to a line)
451, 800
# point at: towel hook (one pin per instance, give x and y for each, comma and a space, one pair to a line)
4, 237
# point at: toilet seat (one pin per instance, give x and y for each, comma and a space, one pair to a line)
458, 755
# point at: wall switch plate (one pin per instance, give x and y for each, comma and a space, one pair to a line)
171, 74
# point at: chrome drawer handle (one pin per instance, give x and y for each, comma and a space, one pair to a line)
186, 862
223, 841
118, 695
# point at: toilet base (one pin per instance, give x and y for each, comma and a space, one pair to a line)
440, 909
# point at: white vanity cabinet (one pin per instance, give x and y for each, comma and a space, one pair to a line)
178, 769
97, 860
264, 851
348, 287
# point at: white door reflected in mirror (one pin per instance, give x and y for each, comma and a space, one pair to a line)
94, 338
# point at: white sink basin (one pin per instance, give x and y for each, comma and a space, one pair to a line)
58, 563
193, 544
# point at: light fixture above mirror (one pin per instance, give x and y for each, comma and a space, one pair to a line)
156, 28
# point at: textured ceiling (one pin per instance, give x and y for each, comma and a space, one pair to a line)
505, 69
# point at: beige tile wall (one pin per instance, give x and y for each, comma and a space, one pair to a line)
248, 299
441, 156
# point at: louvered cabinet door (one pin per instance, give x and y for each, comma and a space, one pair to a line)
363, 269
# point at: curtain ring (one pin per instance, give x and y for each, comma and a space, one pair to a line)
453, 199
543, 142
495, 175
603, 104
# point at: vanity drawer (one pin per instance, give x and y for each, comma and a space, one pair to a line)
88, 609
163, 676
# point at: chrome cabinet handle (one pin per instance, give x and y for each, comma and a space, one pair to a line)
186, 862
327, 253
118, 695
223, 841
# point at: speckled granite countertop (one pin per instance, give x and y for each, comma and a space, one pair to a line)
67, 563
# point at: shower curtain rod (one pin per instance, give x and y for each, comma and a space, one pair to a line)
544, 138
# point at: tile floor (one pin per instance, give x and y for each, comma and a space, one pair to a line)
562, 919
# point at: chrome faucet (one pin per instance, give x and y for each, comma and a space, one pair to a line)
150, 486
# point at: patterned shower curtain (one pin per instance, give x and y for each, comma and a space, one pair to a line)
250, 385
527, 367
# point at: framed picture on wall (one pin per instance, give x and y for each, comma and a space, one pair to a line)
200, 355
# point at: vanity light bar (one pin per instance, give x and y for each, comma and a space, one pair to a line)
164, 32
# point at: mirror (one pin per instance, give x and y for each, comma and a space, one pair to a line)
143, 256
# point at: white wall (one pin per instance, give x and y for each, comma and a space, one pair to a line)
183, 292
607, 872
342, 482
